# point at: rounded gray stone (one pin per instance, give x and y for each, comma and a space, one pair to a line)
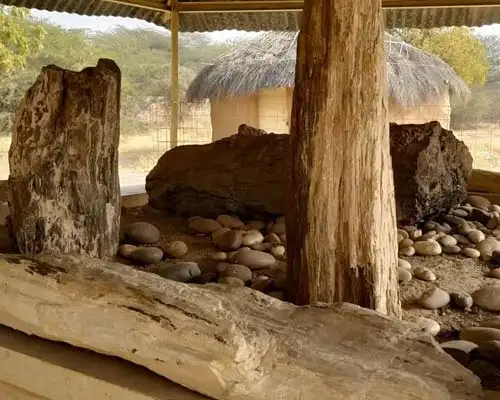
142, 233
146, 255
488, 298
434, 298
180, 272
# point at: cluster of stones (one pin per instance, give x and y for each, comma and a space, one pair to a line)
486, 298
140, 249
251, 254
473, 225
471, 230
478, 349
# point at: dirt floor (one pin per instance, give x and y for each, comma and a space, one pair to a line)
454, 273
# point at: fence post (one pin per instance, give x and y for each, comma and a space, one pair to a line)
174, 74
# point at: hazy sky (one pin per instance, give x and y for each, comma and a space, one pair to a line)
106, 23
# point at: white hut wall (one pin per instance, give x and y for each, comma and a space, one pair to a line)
437, 110
274, 110
271, 110
228, 114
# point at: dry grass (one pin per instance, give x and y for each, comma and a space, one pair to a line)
484, 145
138, 153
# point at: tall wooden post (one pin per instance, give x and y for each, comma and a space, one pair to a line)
341, 225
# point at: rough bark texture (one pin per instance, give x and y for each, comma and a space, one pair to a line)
342, 243
226, 343
428, 180
64, 186
248, 175
4, 191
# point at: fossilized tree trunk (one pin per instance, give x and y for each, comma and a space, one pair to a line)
64, 186
229, 344
341, 225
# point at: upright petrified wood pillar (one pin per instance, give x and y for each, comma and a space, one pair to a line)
341, 225
64, 186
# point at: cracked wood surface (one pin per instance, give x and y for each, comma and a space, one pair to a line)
342, 243
64, 186
226, 343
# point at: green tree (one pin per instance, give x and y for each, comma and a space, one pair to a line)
18, 38
67, 49
483, 106
143, 56
457, 46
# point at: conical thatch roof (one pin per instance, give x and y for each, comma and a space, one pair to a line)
268, 61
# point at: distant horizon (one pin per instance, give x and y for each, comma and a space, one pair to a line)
102, 24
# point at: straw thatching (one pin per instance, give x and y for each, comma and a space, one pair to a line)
268, 62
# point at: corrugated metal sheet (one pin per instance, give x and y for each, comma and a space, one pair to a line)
395, 18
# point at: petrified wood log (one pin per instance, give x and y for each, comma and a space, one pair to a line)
340, 169
64, 185
248, 174
226, 343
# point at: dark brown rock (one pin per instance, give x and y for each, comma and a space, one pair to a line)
431, 170
241, 174
461, 350
490, 351
228, 241
206, 277
247, 174
479, 215
479, 202
487, 372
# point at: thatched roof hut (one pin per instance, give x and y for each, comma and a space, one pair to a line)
419, 83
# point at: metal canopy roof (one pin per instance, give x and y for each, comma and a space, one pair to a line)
256, 15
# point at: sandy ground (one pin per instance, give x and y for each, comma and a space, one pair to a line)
453, 273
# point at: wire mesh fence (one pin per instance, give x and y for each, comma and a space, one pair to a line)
205, 122
146, 134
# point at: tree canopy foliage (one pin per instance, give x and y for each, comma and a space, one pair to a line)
475, 58
18, 38
457, 46
483, 107
143, 56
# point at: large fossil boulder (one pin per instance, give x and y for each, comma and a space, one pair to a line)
246, 174
431, 170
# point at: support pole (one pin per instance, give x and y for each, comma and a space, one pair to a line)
341, 224
174, 74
